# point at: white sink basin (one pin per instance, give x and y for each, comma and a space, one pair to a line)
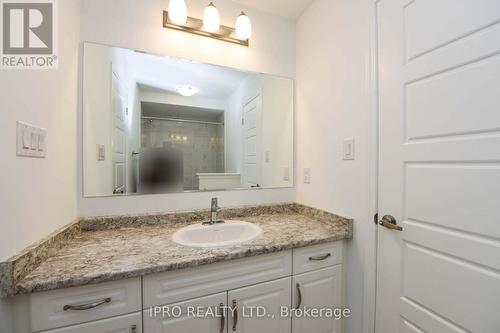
217, 235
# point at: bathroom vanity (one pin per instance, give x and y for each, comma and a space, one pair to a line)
111, 274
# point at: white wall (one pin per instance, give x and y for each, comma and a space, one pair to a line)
277, 131
37, 196
276, 127
233, 142
137, 24
247, 90
99, 64
333, 103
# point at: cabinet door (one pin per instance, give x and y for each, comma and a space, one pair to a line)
270, 296
184, 317
319, 289
131, 323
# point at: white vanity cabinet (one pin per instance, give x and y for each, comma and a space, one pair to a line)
231, 311
317, 284
305, 277
177, 317
131, 323
73, 306
266, 298
320, 289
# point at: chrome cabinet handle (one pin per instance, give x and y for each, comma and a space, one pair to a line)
88, 306
235, 312
390, 222
222, 318
320, 257
299, 296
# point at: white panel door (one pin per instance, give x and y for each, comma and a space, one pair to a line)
252, 166
270, 295
119, 136
201, 315
320, 289
439, 171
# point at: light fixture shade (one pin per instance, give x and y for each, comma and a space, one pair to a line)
187, 91
211, 18
243, 26
177, 11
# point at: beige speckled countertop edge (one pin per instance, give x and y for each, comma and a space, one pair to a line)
22, 288
30, 259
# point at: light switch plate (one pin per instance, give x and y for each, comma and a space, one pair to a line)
31, 140
101, 152
268, 156
307, 175
286, 174
348, 151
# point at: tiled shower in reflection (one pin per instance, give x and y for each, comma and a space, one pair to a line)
199, 145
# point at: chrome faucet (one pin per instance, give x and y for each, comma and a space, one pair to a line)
214, 209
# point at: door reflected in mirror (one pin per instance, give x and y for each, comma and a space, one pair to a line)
156, 124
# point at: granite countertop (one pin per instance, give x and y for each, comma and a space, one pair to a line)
114, 252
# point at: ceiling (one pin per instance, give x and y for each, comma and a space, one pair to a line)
167, 74
291, 9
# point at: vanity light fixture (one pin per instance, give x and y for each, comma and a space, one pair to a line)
187, 91
176, 18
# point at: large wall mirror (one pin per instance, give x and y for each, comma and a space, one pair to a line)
156, 124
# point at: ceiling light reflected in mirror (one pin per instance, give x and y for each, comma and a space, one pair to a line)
187, 91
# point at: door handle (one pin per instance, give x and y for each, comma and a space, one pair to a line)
222, 318
390, 222
235, 314
299, 296
321, 257
83, 307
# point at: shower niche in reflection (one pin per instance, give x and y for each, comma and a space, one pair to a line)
156, 124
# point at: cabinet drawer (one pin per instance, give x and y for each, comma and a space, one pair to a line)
171, 287
309, 258
64, 307
131, 323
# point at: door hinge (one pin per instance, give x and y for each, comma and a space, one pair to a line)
375, 218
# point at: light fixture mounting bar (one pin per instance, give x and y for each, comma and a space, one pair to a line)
195, 26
